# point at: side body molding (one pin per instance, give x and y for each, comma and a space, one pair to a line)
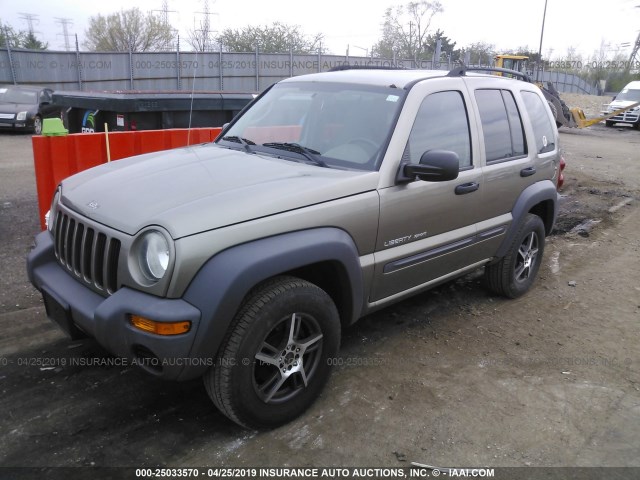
222, 283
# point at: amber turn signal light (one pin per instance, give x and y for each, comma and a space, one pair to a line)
160, 328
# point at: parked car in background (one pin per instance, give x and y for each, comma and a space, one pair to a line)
627, 97
24, 107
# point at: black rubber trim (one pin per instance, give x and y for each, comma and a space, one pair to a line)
494, 232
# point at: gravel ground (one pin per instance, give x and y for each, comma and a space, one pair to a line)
590, 104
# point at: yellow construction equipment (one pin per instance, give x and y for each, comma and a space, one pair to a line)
583, 122
572, 118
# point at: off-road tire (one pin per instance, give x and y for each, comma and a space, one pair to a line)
234, 382
511, 276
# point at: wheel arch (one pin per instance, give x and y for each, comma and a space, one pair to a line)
541, 199
327, 257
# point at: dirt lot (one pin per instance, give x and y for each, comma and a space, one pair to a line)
454, 377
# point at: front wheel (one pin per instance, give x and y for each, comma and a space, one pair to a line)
37, 125
276, 356
514, 274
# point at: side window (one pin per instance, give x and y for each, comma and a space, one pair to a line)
441, 124
542, 126
501, 125
45, 96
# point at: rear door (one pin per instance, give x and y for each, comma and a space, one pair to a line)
517, 153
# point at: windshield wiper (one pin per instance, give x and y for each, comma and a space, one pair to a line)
246, 143
306, 152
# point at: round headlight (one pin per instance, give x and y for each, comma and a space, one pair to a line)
154, 255
50, 217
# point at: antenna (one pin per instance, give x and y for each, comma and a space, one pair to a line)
193, 86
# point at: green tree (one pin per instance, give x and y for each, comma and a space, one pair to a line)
405, 30
276, 38
479, 53
447, 46
527, 52
126, 29
31, 42
9, 35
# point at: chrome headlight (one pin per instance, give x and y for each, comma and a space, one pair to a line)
21, 116
154, 255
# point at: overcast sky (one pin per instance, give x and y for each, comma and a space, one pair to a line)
508, 24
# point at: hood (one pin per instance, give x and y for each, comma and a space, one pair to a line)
617, 104
16, 107
194, 189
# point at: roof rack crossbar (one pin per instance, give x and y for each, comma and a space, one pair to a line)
340, 68
461, 71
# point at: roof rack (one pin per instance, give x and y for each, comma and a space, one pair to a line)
462, 71
363, 67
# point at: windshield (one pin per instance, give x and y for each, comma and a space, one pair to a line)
327, 124
13, 95
629, 95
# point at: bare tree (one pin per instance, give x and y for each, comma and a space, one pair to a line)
276, 38
199, 37
126, 29
405, 30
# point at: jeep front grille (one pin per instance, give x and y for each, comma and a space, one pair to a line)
91, 256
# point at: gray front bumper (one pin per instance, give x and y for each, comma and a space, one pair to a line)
107, 318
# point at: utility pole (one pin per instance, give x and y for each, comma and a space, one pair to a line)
164, 18
30, 18
544, 16
205, 30
65, 23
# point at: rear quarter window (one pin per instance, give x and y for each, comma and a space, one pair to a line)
543, 129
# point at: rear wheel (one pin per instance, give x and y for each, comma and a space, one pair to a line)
514, 274
275, 359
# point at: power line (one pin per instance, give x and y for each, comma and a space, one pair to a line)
205, 30
30, 18
164, 12
164, 18
65, 23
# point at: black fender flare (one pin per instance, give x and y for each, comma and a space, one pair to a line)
222, 283
539, 192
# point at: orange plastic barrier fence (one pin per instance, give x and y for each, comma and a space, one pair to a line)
58, 157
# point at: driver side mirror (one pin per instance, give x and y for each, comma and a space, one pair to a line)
434, 166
